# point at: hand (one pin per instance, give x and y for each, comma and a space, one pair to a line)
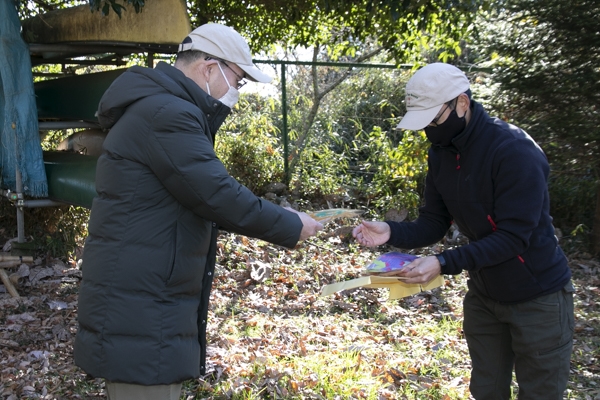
372, 233
310, 227
421, 270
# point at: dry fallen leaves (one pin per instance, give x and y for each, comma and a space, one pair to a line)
266, 317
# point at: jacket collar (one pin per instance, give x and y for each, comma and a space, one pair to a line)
462, 141
213, 109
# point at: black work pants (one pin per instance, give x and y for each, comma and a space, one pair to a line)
534, 337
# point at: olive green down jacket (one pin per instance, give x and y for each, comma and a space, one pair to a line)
149, 259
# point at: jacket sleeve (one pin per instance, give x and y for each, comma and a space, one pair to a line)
429, 228
181, 154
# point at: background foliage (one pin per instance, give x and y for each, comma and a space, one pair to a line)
354, 156
275, 337
248, 143
404, 27
543, 59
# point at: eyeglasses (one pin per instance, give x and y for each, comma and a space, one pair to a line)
449, 105
241, 81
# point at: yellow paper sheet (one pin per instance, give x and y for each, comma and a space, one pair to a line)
397, 288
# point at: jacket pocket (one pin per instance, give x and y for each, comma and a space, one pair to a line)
171, 265
510, 281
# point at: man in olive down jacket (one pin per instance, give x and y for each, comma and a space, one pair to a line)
162, 195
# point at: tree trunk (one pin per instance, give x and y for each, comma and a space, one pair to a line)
318, 96
595, 245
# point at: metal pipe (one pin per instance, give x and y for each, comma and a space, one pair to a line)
35, 61
359, 65
286, 168
18, 201
58, 125
150, 60
86, 48
336, 64
39, 203
104, 47
20, 215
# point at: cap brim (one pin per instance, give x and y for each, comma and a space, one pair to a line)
255, 74
417, 120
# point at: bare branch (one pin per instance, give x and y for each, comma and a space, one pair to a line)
318, 97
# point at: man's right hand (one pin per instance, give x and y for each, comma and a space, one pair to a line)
372, 233
310, 226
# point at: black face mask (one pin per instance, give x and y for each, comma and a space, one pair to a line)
441, 135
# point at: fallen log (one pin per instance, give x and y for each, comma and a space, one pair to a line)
10, 288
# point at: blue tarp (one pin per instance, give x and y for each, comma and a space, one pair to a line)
19, 134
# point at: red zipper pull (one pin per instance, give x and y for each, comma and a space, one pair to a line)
457, 161
492, 223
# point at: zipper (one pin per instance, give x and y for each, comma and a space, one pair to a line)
489, 217
457, 161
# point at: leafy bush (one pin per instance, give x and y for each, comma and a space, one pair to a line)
249, 145
572, 204
398, 171
251, 150
52, 231
361, 151
321, 174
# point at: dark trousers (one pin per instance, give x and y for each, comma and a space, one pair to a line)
536, 337
128, 391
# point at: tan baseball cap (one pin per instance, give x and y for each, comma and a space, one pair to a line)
427, 91
225, 43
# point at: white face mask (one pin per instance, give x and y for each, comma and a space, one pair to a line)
231, 97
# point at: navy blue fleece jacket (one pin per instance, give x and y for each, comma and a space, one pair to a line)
492, 182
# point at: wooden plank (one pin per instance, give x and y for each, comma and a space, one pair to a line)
10, 288
160, 22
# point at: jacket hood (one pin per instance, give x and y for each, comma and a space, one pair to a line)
140, 82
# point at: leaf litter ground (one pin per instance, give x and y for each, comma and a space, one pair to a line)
271, 336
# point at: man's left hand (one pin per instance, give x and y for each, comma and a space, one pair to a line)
421, 270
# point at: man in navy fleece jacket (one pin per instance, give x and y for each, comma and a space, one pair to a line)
489, 178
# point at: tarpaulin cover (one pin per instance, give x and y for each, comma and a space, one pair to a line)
19, 137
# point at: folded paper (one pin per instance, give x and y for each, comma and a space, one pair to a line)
397, 287
388, 262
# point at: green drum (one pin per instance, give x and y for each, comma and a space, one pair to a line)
71, 177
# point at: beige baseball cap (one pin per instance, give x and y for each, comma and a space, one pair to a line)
427, 91
225, 43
